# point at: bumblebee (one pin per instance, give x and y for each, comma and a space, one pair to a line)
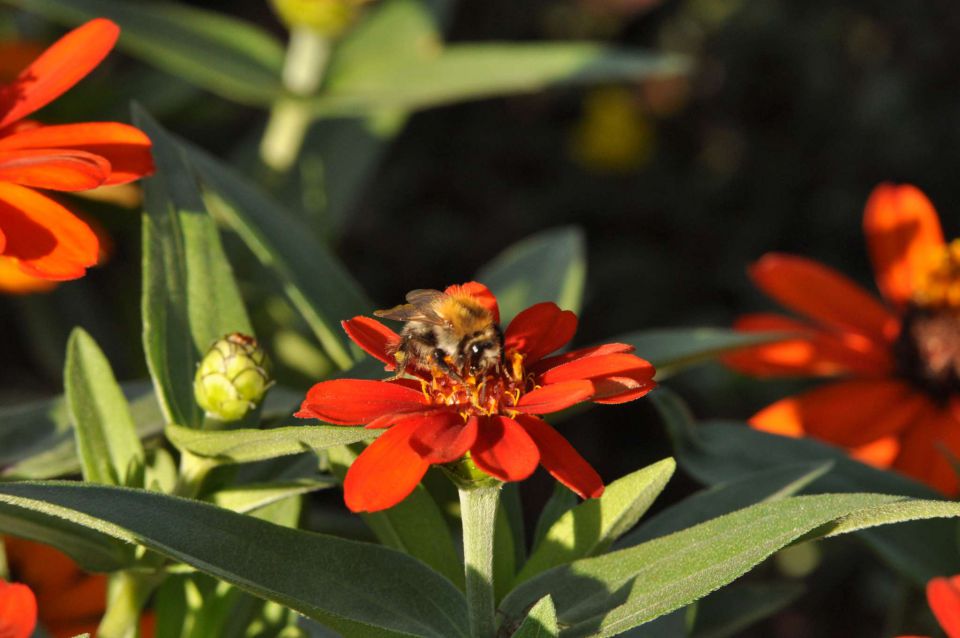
453, 332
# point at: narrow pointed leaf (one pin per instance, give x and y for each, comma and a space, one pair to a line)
609, 594
717, 452
322, 577
240, 61
590, 528
190, 298
549, 266
110, 450
248, 445
541, 622
313, 278
247, 498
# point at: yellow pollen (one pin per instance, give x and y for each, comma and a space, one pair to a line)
496, 391
938, 287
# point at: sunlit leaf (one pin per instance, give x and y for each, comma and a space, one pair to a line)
541, 622
247, 498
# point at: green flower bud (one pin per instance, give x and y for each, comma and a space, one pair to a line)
329, 18
233, 378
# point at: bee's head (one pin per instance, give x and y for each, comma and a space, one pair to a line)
483, 352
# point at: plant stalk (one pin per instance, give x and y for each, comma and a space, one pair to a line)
478, 511
128, 594
290, 116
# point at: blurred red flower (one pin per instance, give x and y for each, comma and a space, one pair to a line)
435, 418
898, 403
38, 235
18, 610
943, 595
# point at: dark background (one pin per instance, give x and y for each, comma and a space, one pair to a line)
794, 112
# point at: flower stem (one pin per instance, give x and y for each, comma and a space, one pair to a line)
478, 511
304, 66
128, 594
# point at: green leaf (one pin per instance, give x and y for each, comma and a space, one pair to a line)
110, 451
671, 350
37, 441
415, 526
190, 298
234, 59
249, 497
437, 76
608, 594
716, 452
767, 485
549, 266
313, 278
728, 612
561, 501
322, 577
541, 622
589, 528
248, 445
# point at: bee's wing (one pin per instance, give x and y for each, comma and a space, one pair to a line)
420, 306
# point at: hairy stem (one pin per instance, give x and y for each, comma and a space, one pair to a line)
478, 509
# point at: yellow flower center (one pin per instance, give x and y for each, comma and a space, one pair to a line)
938, 287
497, 391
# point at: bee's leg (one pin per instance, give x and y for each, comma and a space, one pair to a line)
440, 358
402, 359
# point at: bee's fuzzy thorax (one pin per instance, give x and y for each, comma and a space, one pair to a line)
464, 313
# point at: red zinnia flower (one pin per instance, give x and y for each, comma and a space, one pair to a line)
18, 610
40, 236
436, 418
899, 401
943, 595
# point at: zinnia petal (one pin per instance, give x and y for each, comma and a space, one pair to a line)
823, 294
56, 169
555, 397
16, 282
358, 401
580, 353
616, 378
124, 147
560, 458
817, 353
848, 413
48, 240
924, 448
386, 472
481, 293
902, 230
443, 437
540, 330
373, 337
503, 449
63, 64
18, 610
943, 595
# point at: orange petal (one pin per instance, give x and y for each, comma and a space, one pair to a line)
48, 240
63, 64
443, 437
14, 281
818, 353
848, 413
359, 401
386, 472
821, 293
87, 598
943, 595
56, 169
504, 450
124, 147
880, 453
539, 330
581, 353
925, 447
902, 230
555, 397
18, 610
15, 56
374, 338
561, 459
616, 378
